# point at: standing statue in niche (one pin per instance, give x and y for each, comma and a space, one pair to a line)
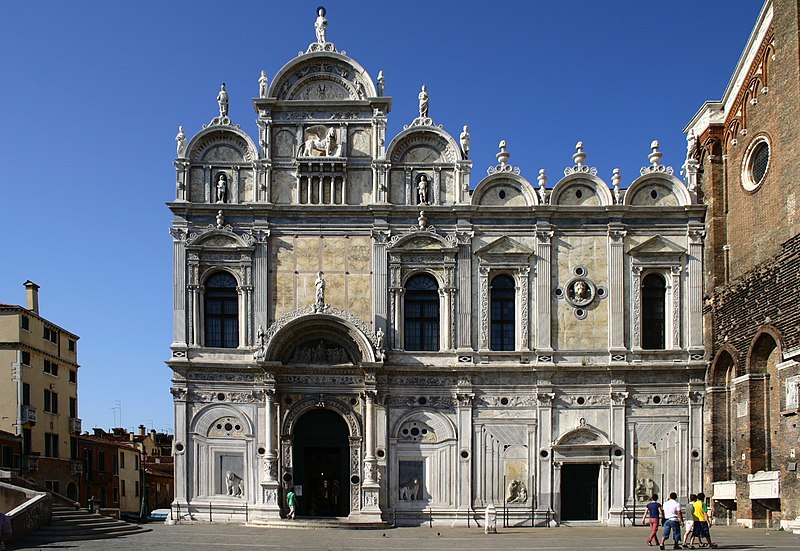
423, 102
222, 101
222, 188
422, 190
321, 25
464, 139
319, 293
360, 91
263, 85
181, 139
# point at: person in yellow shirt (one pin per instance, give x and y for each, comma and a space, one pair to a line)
700, 522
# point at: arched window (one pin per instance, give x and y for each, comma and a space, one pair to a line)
654, 292
502, 297
222, 311
421, 327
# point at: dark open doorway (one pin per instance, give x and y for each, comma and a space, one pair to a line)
579, 491
321, 458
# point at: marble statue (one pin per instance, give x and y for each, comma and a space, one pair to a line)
422, 190
233, 484
181, 139
360, 91
222, 188
379, 338
321, 25
464, 139
410, 492
319, 293
423, 102
263, 85
222, 101
381, 83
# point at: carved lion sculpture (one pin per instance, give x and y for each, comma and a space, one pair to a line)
325, 147
410, 492
234, 484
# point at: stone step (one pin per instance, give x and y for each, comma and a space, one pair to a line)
319, 523
69, 524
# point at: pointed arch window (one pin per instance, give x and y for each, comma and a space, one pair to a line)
421, 312
502, 308
654, 293
221, 307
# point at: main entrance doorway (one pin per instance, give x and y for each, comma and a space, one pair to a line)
579, 491
321, 458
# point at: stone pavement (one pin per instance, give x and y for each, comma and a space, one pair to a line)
232, 537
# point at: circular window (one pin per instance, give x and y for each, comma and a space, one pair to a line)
578, 194
654, 194
756, 163
502, 194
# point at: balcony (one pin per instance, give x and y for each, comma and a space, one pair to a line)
75, 425
75, 466
28, 414
725, 490
30, 462
765, 485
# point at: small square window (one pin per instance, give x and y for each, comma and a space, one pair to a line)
25, 322
26, 358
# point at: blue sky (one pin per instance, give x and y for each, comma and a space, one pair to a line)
92, 94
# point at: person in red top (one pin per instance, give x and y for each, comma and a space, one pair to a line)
654, 514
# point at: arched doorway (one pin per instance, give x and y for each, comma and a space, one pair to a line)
321, 464
72, 491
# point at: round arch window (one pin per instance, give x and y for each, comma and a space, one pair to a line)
756, 163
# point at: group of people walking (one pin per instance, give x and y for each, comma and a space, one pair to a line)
698, 519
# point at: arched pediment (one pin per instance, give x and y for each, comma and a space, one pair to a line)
583, 436
221, 145
658, 190
442, 427
581, 189
333, 337
420, 241
203, 422
341, 76
220, 238
423, 145
501, 189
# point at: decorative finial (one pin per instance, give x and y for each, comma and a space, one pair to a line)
222, 101
263, 85
579, 156
422, 220
542, 179
655, 156
381, 84
464, 139
423, 102
503, 155
616, 179
321, 26
220, 220
181, 139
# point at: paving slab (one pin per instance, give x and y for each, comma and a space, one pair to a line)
234, 537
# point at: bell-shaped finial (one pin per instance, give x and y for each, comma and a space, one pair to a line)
579, 156
655, 155
503, 155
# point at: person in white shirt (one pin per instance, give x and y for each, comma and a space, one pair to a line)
673, 517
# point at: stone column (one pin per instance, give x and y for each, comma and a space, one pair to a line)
555, 492
464, 401
696, 399
369, 437
681, 465
179, 286
695, 294
483, 317
616, 466
270, 495
181, 477
380, 278
261, 279
616, 290
546, 468
606, 473
543, 290
464, 274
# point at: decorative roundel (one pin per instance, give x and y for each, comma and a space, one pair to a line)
756, 163
580, 313
579, 271
179, 448
464, 454
579, 291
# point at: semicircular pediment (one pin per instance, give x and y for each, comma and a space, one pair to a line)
220, 146
340, 77
582, 437
422, 146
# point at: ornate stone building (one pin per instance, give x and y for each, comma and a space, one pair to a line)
360, 318
744, 150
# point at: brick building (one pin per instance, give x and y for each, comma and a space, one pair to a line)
742, 150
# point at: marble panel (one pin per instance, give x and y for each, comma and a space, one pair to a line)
197, 187
360, 142
359, 255
284, 187
284, 296
222, 153
447, 192
334, 289
308, 253
334, 254
246, 181
397, 191
283, 143
359, 295
359, 187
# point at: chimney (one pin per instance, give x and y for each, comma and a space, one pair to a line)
32, 296
98, 431
142, 430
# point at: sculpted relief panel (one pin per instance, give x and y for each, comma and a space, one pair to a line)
360, 143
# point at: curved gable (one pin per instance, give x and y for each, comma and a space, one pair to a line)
508, 190
657, 189
583, 190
